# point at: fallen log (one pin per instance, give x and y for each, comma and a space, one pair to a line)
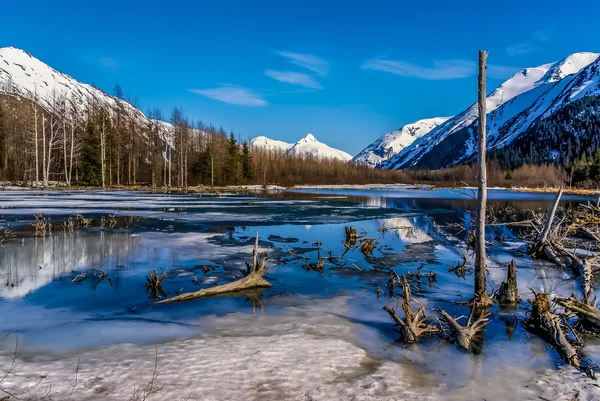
589, 315
548, 326
414, 324
254, 279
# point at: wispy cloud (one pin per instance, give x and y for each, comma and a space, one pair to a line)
519, 49
501, 71
233, 95
537, 39
441, 70
308, 61
450, 69
544, 35
108, 63
296, 78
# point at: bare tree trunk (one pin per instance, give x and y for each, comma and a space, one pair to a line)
44, 151
103, 150
73, 125
65, 153
170, 166
165, 163
37, 152
480, 252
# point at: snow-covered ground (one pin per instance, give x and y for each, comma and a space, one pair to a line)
308, 353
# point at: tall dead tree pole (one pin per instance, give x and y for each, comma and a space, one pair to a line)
481, 296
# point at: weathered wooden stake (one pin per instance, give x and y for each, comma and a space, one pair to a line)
480, 290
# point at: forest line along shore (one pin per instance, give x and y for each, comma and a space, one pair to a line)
58, 186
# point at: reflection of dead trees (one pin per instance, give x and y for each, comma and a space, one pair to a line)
508, 293
351, 234
464, 335
101, 277
431, 278
351, 238
111, 221
154, 284
367, 246
415, 323
461, 269
318, 266
548, 326
40, 226
6, 234
253, 280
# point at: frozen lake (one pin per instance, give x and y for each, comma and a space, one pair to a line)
313, 335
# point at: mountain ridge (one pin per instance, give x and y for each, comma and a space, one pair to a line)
512, 108
307, 146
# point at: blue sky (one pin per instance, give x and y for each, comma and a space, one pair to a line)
347, 71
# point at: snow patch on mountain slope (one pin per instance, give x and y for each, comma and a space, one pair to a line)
515, 97
393, 142
23, 75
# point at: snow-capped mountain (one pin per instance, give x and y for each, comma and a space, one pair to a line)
529, 95
23, 75
307, 146
393, 142
270, 144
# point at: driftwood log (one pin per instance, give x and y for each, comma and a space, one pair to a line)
508, 293
464, 335
589, 316
548, 326
254, 279
414, 324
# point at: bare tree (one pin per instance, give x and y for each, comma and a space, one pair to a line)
481, 297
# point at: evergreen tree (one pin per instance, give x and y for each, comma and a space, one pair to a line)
232, 167
202, 165
90, 164
247, 172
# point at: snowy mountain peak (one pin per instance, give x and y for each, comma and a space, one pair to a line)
393, 142
271, 144
307, 146
310, 138
522, 97
570, 65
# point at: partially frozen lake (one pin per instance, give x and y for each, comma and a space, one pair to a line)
313, 335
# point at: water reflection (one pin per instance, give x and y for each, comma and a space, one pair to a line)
33, 263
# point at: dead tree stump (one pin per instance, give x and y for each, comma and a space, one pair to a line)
508, 293
415, 323
464, 335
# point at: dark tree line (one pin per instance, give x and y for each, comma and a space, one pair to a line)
569, 138
104, 146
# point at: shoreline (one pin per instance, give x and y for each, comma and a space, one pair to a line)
269, 187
